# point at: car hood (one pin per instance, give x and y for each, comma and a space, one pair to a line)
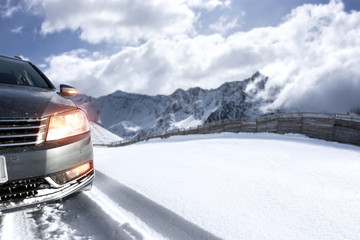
30, 102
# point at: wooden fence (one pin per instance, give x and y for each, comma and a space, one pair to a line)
331, 127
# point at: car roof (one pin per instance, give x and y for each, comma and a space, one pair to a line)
13, 58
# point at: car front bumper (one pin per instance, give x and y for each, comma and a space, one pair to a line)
49, 195
29, 170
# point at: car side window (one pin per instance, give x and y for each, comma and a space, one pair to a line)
8, 78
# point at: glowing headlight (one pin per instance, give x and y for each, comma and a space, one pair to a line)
67, 124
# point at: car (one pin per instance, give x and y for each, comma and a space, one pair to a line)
46, 153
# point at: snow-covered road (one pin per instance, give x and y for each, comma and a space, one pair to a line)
114, 212
78, 217
221, 186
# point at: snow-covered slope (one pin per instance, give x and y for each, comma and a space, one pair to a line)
100, 135
130, 115
244, 186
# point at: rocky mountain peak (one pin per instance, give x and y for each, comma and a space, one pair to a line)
131, 115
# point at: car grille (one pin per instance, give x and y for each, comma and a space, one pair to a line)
17, 132
20, 190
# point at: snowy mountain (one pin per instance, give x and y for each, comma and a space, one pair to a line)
130, 115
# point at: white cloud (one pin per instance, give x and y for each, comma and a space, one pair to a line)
17, 30
11, 7
33, 6
208, 4
316, 59
158, 66
312, 59
223, 25
122, 21
81, 69
7, 10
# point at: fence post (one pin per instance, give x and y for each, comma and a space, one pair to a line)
333, 128
256, 125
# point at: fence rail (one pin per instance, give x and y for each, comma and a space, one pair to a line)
332, 127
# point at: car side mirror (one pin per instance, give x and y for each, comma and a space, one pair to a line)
66, 90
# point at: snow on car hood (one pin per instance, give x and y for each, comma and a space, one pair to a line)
30, 102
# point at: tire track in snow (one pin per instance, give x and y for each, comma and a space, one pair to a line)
77, 218
15, 226
1, 226
157, 217
133, 226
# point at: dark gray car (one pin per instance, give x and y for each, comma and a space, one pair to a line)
46, 152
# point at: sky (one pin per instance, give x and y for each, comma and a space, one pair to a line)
309, 49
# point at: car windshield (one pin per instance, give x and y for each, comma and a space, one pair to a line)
17, 72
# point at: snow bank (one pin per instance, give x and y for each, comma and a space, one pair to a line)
100, 135
247, 186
